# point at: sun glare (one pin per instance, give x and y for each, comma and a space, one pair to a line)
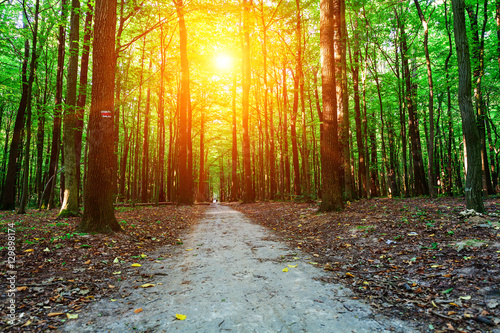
223, 61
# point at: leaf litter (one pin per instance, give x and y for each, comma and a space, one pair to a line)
408, 257
61, 271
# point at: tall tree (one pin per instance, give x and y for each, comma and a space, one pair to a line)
330, 152
48, 194
98, 214
362, 180
234, 145
420, 183
248, 192
70, 199
473, 182
9, 188
478, 73
185, 177
82, 89
430, 145
31, 78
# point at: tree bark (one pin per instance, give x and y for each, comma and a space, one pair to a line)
98, 215
48, 197
478, 73
82, 92
33, 65
419, 180
473, 183
330, 152
69, 205
248, 193
430, 145
185, 191
363, 185
145, 146
9, 188
234, 148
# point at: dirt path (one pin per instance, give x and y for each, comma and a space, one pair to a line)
228, 276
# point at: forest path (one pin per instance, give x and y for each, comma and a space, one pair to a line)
228, 277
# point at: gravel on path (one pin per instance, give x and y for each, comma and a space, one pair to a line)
228, 276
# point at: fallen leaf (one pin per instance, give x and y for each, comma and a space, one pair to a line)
349, 274
29, 250
138, 310
189, 249
110, 286
136, 265
87, 262
292, 266
21, 288
328, 267
180, 316
72, 315
26, 323
54, 314
147, 285
285, 269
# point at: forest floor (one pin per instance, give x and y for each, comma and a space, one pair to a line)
410, 258
60, 271
415, 259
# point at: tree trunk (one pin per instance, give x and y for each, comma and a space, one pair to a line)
145, 147
286, 160
69, 205
330, 152
473, 183
430, 145
9, 188
234, 148
363, 185
135, 183
248, 194
344, 122
161, 116
478, 71
185, 191
420, 183
402, 115
449, 178
33, 65
98, 215
48, 196
201, 177
82, 94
